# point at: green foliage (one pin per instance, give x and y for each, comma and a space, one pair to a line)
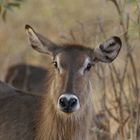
8, 6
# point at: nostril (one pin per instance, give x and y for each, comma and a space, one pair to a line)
73, 102
63, 102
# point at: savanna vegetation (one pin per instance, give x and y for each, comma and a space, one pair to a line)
89, 22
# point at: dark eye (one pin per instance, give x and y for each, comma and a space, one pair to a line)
88, 67
55, 64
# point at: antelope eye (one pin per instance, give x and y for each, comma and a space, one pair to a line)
55, 64
88, 67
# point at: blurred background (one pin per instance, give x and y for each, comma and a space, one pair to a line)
88, 22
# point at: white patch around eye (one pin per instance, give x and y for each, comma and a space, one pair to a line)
86, 62
58, 64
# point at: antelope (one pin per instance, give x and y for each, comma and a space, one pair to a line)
65, 110
27, 77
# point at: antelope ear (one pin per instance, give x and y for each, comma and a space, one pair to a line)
39, 42
109, 50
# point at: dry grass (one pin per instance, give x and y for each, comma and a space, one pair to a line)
116, 86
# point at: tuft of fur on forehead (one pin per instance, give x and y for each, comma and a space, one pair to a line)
73, 48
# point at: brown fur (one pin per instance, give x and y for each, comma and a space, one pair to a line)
26, 77
17, 114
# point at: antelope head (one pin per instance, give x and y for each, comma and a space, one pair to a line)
71, 87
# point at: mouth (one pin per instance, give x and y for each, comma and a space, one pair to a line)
67, 110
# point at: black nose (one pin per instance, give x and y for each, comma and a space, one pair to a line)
68, 103
64, 102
